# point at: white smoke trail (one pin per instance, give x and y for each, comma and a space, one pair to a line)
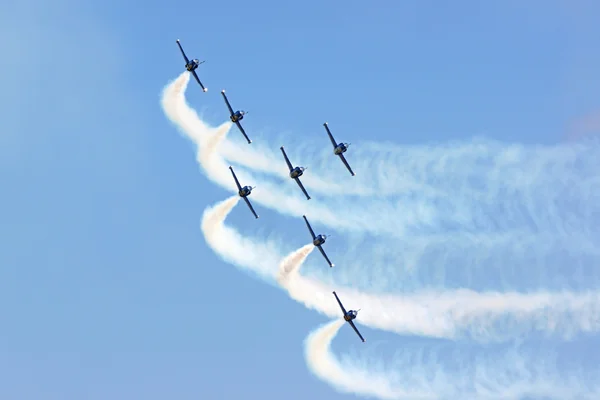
431, 172
482, 214
253, 256
445, 314
323, 364
208, 139
290, 265
478, 195
418, 377
449, 313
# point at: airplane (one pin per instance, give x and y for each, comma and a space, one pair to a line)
339, 148
318, 241
236, 117
244, 192
192, 65
295, 173
349, 316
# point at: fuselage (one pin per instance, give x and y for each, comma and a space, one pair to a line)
340, 148
246, 190
350, 315
192, 65
237, 116
297, 172
319, 240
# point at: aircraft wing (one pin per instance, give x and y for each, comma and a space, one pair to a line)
339, 302
346, 164
302, 187
243, 131
198, 80
356, 330
330, 135
251, 208
309, 227
325, 255
236, 179
182, 52
227, 102
287, 160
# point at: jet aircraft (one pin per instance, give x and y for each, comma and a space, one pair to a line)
339, 148
349, 316
244, 192
318, 240
295, 173
236, 116
192, 65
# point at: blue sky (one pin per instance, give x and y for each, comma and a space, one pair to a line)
107, 287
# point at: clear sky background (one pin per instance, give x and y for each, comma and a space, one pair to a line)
107, 289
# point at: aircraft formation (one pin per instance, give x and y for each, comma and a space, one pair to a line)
295, 172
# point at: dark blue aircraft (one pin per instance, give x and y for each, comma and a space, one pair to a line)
236, 116
339, 148
349, 316
318, 240
244, 192
295, 172
192, 65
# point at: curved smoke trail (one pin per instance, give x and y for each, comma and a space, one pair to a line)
503, 212
418, 376
214, 165
503, 207
253, 256
491, 316
324, 365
